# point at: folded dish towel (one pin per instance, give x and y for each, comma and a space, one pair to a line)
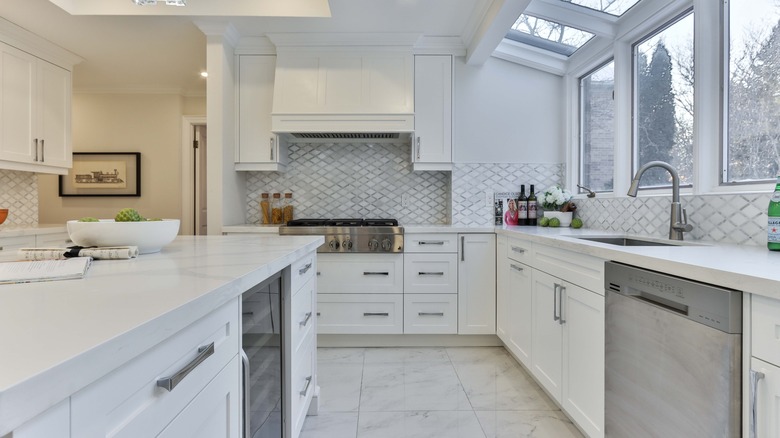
98, 253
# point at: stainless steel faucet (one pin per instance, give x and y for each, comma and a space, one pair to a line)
678, 222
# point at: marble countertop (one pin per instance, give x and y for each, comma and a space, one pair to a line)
9, 230
408, 228
60, 336
748, 268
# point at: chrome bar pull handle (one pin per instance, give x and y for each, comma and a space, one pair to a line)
305, 320
170, 382
516, 268
247, 387
431, 242
561, 292
430, 313
430, 273
518, 250
555, 302
376, 314
305, 389
304, 269
43, 151
272, 148
418, 148
463, 248
36, 149
755, 376
375, 273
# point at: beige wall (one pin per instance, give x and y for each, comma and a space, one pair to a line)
145, 123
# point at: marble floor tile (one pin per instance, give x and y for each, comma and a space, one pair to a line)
412, 387
406, 355
340, 355
339, 386
331, 425
493, 356
527, 424
422, 424
498, 387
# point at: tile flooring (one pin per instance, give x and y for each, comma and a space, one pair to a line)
465, 392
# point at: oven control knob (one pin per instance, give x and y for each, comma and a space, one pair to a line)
333, 244
387, 244
347, 244
373, 244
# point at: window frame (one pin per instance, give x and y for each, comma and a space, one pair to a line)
579, 124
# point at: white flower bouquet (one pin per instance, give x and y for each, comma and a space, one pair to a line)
555, 198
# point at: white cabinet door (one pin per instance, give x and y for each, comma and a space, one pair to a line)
258, 148
502, 290
767, 400
520, 311
583, 358
214, 412
17, 104
53, 119
430, 273
477, 284
432, 111
547, 333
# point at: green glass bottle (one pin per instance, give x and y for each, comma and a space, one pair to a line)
773, 230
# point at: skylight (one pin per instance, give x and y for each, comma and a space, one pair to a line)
612, 7
548, 35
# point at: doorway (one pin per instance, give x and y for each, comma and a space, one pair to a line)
194, 165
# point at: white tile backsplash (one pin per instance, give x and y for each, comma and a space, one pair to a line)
19, 194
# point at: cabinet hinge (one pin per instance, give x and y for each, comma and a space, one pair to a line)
194, 144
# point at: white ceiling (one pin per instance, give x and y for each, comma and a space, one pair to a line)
166, 53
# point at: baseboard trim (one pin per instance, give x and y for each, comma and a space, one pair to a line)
408, 341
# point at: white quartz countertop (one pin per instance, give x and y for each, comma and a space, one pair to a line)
8, 230
58, 337
748, 268
251, 228
410, 228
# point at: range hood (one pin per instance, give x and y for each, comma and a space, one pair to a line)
330, 95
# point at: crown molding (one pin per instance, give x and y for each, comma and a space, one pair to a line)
343, 39
440, 46
255, 46
27, 41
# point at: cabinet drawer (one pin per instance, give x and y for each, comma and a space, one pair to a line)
360, 314
579, 269
128, 403
302, 271
765, 328
302, 384
431, 242
431, 313
519, 250
431, 273
302, 315
360, 273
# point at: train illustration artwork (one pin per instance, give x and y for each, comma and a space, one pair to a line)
99, 177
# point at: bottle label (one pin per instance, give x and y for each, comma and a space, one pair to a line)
773, 230
531, 209
522, 210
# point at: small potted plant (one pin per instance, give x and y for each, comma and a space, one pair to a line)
556, 202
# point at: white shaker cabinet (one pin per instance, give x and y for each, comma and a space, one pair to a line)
258, 149
547, 333
520, 311
477, 284
35, 113
502, 290
432, 141
763, 404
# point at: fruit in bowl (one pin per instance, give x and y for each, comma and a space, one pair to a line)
148, 235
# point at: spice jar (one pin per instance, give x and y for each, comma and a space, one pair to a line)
276, 209
265, 208
287, 210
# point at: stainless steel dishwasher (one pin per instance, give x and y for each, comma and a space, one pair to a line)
673, 356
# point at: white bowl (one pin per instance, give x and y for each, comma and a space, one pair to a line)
148, 236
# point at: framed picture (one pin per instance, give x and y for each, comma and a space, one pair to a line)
103, 174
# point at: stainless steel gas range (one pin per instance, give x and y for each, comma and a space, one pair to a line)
350, 235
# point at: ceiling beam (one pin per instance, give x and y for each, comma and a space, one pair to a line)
500, 16
578, 17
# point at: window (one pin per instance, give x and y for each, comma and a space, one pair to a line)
548, 35
663, 102
612, 7
752, 150
597, 128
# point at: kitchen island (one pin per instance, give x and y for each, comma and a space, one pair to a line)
59, 337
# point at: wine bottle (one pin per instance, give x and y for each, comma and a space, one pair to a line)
522, 207
773, 229
532, 207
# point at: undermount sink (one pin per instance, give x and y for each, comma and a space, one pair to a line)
630, 241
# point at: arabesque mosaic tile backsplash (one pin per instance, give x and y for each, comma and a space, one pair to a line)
19, 194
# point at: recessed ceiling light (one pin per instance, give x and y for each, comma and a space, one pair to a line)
204, 74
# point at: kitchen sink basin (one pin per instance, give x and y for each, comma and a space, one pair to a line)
630, 241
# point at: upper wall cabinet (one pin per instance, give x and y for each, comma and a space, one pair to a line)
35, 113
258, 149
432, 142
